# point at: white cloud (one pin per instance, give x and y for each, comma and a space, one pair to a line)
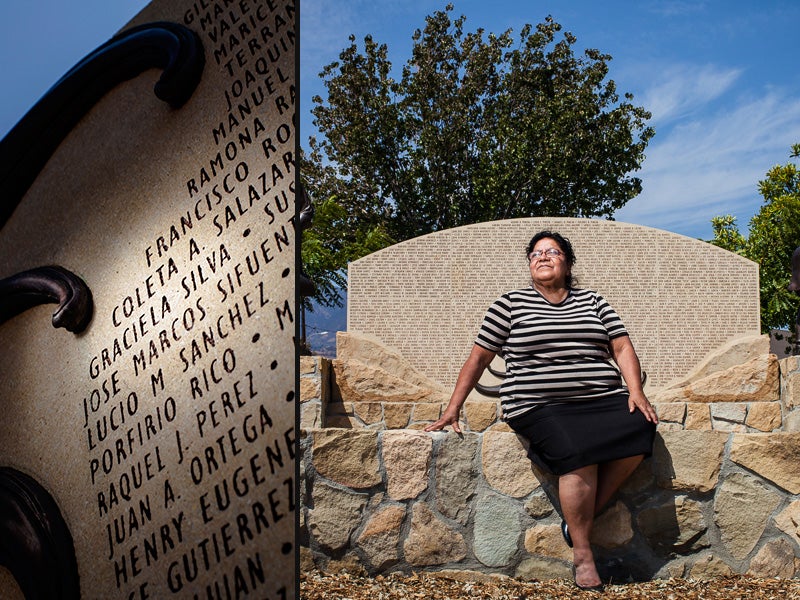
710, 162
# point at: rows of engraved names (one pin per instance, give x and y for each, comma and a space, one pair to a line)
678, 297
131, 420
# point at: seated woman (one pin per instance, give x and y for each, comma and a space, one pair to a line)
562, 391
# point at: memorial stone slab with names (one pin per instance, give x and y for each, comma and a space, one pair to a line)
164, 431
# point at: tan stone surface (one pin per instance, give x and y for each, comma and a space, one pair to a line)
380, 538
456, 474
506, 465
764, 416
791, 397
480, 415
773, 456
309, 365
757, 380
359, 382
698, 416
397, 415
788, 521
406, 458
371, 351
742, 506
710, 567
369, 412
733, 352
612, 528
688, 460
310, 416
775, 559
427, 411
347, 457
675, 525
310, 389
335, 515
535, 568
546, 540
673, 412
430, 541
539, 506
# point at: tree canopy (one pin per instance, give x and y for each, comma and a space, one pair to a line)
774, 235
477, 127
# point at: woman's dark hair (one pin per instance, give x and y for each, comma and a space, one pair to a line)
563, 243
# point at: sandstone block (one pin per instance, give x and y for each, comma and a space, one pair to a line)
698, 416
427, 411
742, 506
676, 525
764, 416
480, 415
358, 382
791, 395
539, 506
788, 521
310, 416
430, 541
456, 475
710, 567
775, 559
612, 529
733, 412
380, 538
535, 568
370, 351
688, 460
347, 457
397, 415
673, 412
757, 380
506, 465
406, 458
736, 351
369, 412
309, 364
773, 456
496, 531
310, 389
336, 514
546, 540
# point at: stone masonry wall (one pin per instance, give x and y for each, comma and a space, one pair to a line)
720, 495
678, 296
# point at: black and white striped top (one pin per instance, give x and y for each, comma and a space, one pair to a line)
553, 352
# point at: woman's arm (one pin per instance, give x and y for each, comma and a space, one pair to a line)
469, 375
628, 362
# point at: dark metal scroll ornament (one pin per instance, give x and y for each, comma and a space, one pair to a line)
305, 287
29, 145
35, 542
46, 285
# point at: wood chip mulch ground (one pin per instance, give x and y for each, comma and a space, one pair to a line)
431, 586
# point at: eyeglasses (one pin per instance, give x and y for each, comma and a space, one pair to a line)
551, 252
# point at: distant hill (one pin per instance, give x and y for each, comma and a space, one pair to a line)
322, 325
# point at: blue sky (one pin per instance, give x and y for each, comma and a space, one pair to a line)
720, 78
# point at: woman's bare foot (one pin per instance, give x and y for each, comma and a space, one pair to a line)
586, 575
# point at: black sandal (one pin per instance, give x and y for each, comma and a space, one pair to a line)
565, 533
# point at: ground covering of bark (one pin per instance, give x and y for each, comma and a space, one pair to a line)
315, 585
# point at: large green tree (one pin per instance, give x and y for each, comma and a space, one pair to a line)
477, 127
773, 236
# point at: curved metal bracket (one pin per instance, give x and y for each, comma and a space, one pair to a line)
47, 285
35, 542
28, 146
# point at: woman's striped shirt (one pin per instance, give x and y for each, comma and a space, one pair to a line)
553, 352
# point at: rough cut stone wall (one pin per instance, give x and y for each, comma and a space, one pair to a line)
720, 495
679, 297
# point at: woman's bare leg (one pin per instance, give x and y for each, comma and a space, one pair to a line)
610, 476
577, 491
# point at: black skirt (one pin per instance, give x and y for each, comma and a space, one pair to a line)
570, 435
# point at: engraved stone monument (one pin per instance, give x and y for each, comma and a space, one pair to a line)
147, 441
